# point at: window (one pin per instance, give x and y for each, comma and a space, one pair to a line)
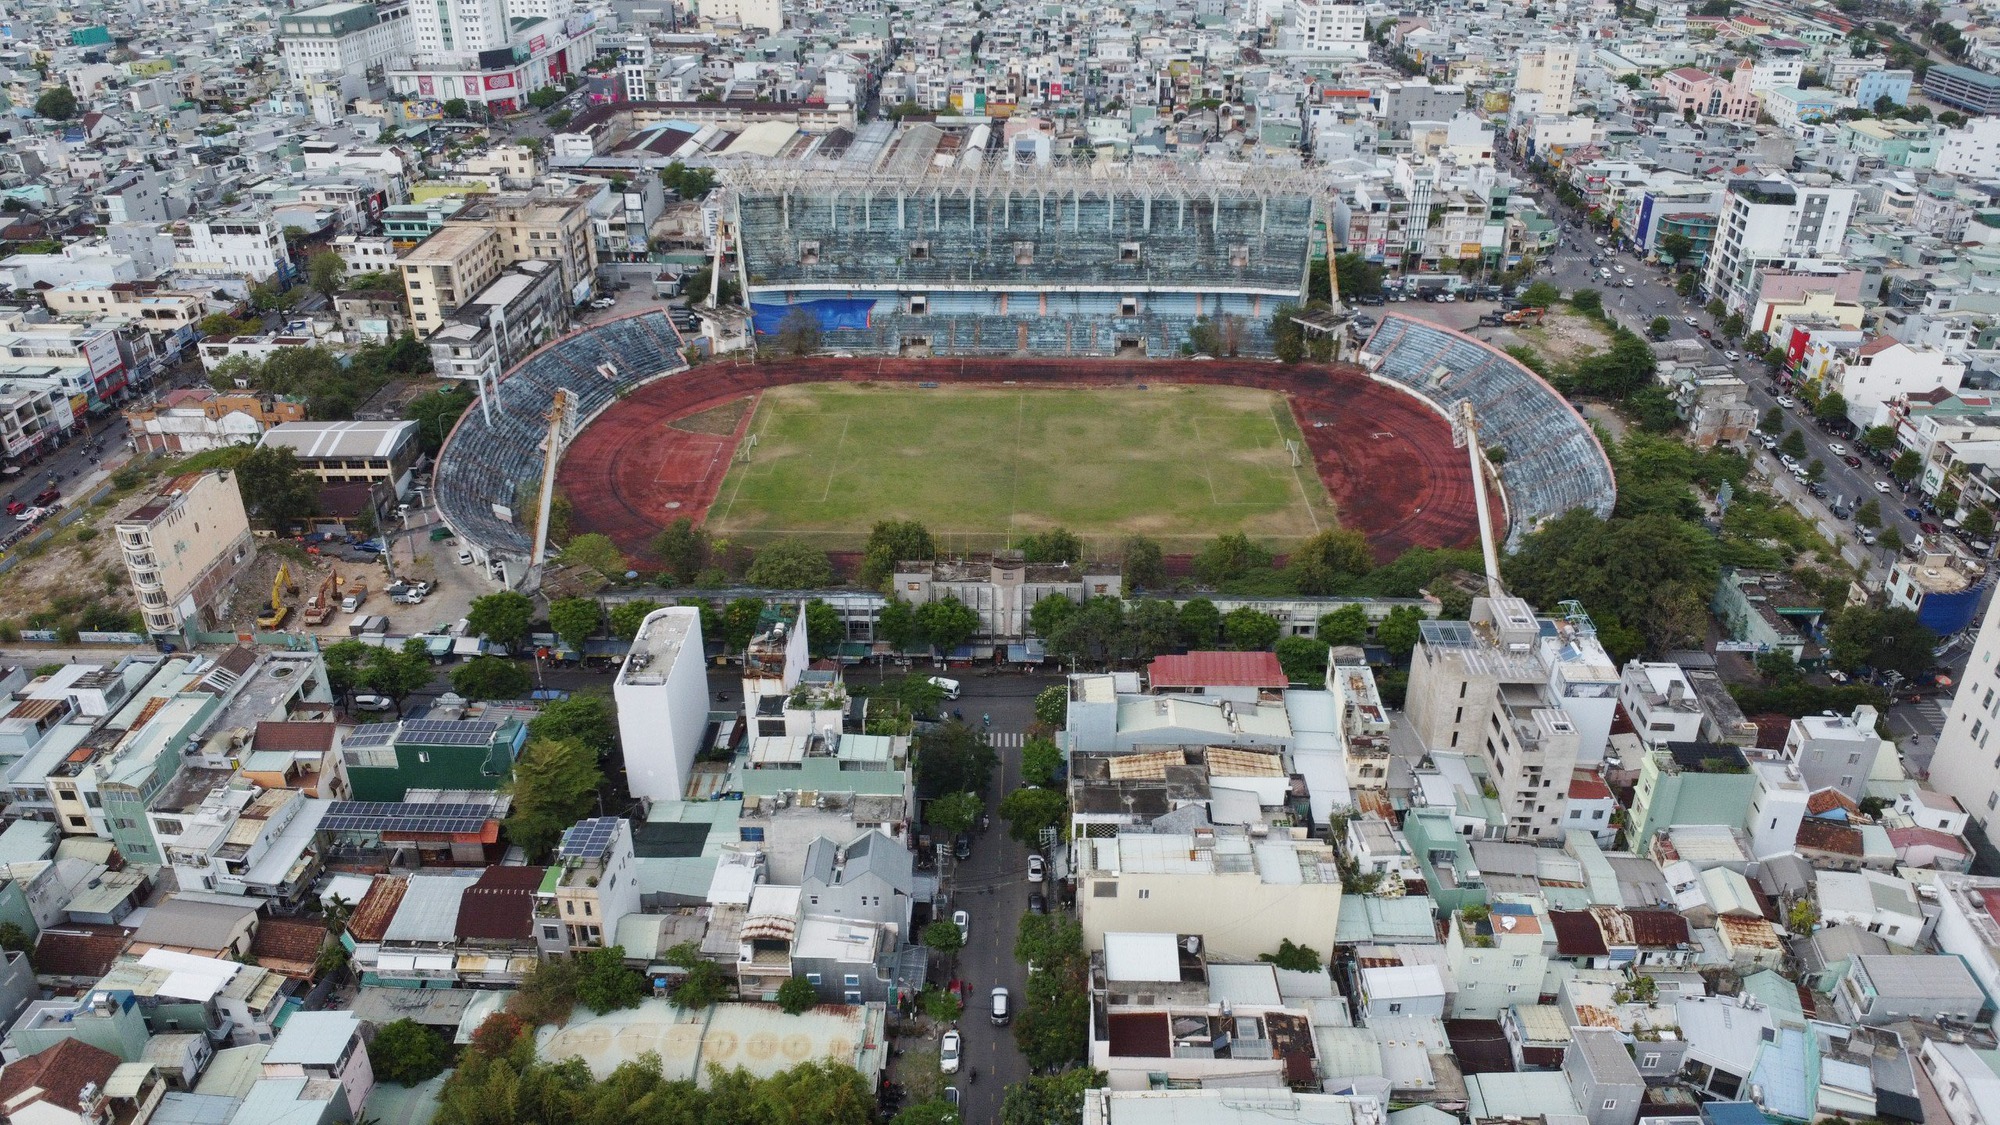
1597, 815
1846, 780
1024, 253
1128, 251
1395, 1007
812, 900
1239, 257
1513, 988
851, 980
1611, 1103
1145, 892
549, 933
424, 756
919, 306
920, 251
1649, 1060
812, 979
1109, 888
809, 253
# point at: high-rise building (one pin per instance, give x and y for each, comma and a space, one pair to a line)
492, 53
1330, 27
348, 37
184, 547
1550, 73
1966, 763
1773, 222
662, 698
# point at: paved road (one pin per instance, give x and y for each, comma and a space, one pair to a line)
1653, 295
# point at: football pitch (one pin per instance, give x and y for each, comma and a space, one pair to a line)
983, 466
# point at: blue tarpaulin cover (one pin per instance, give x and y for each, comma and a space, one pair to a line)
833, 312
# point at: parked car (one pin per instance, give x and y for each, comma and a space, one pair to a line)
949, 1050
1787, 401
1038, 903
962, 847
28, 515
1837, 449
1853, 462
1732, 356
47, 496
1037, 868
1688, 320
948, 686
963, 921
603, 303
465, 556
1913, 513
1882, 486
373, 703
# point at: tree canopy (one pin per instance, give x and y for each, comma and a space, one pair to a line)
554, 785
503, 617
406, 1052
953, 758
791, 564
490, 677
585, 717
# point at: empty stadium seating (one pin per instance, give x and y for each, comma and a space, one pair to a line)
483, 462
1553, 460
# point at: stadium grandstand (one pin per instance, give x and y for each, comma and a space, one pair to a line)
1553, 461
501, 440
1000, 259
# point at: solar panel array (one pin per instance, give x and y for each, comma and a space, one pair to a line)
391, 816
449, 732
371, 734
590, 838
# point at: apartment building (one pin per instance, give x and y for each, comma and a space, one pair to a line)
241, 246
662, 697
1550, 75
1773, 222
519, 311
1835, 751
184, 547
446, 269
343, 38
162, 310
1330, 27
487, 235
84, 357
1963, 765
1277, 888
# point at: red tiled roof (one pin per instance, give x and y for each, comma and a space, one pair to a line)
1825, 801
1586, 786
291, 940
294, 738
1577, 934
61, 1072
1217, 669
1659, 929
1689, 74
1878, 344
1917, 836
1820, 834
80, 950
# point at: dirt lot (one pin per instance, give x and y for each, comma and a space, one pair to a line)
1565, 337
79, 566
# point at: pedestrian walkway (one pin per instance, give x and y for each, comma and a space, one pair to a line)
1004, 740
1932, 712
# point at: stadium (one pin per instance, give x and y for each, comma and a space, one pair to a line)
984, 291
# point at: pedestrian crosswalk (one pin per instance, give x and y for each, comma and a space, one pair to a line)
1006, 740
1933, 712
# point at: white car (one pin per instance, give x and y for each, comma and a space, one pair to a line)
948, 1052
1732, 356
963, 921
1837, 449
1882, 486
947, 686
1003, 1009
603, 303
1620, 268
372, 703
1036, 868
28, 515
465, 557
1688, 320
1631, 283
1787, 401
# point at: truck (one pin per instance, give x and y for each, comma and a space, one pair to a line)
354, 595
319, 607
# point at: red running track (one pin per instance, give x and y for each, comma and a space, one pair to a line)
1387, 459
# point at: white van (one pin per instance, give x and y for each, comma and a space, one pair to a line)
949, 687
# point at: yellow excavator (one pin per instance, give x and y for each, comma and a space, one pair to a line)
279, 610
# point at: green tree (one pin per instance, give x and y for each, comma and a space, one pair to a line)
1679, 247
456, 109
1154, 627
797, 996
688, 183
554, 786
791, 564
1793, 445
1978, 523
1715, 309
1868, 515
739, 622
324, 273
56, 103
943, 937
346, 666
503, 617
406, 1052
1660, 328
604, 983
704, 985
436, 413
1249, 630
953, 758
547, 993
597, 552
1053, 1100
586, 717
1029, 811
627, 617
1684, 285
1890, 639
1589, 302
1773, 421
545, 97
1540, 295
947, 622
1288, 339
1732, 325
1053, 1026
683, 549
1227, 556
897, 624
1347, 625
1879, 438
1041, 761
954, 813
1330, 562
1143, 566
1303, 658
398, 673
219, 325
575, 620
1049, 614
1201, 622
1399, 631
825, 631
490, 677
277, 493
1096, 632
1359, 277
1297, 958
1832, 407
891, 542
931, 1111
1052, 705
1816, 470
1056, 545
558, 119
1890, 540
1906, 466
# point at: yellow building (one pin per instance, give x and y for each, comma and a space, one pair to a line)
489, 234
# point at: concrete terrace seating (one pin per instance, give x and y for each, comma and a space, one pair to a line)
482, 462
1553, 460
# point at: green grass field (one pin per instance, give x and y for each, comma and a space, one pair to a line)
978, 465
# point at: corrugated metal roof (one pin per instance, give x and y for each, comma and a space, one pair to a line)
429, 910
